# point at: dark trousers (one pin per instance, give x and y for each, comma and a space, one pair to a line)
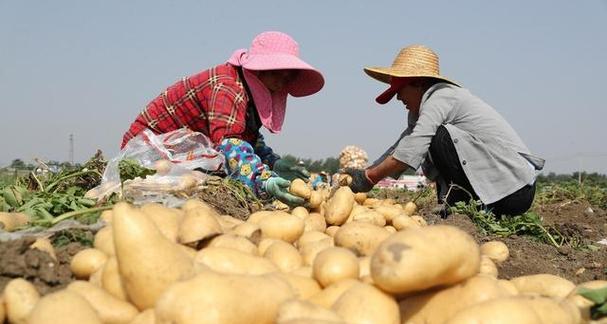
447, 162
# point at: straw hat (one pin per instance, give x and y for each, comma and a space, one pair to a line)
411, 61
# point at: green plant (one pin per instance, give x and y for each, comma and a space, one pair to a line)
599, 298
528, 223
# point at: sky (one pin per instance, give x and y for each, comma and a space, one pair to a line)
88, 68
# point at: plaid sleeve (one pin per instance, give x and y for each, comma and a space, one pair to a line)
244, 165
265, 152
226, 114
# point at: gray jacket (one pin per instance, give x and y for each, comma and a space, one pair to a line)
493, 156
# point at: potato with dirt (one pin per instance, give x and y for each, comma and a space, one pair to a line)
424, 257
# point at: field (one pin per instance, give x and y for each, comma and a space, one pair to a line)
561, 235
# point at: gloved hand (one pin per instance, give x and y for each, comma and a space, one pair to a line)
279, 189
290, 171
360, 181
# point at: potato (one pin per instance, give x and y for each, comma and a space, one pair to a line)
305, 271
235, 242
300, 188
310, 250
425, 257
410, 208
488, 267
148, 262
228, 222
162, 167
364, 265
300, 212
230, 261
328, 296
283, 226
250, 231
311, 236
86, 262
391, 229
3, 310
146, 317
371, 217
111, 280
20, 297
12, 221
363, 303
107, 215
299, 309
284, 255
264, 244
215, 298
316, 198
44, 244
438, 305
339, 206
97, 278
420, 220
335, 264
543, 284
109, 308
64, 307
508, 286
389, 212
166, 219
199, 224
506, 310
104, 241
303, 286
495, 250
315, 222
361, 238
331, 230
360, 197
403, 222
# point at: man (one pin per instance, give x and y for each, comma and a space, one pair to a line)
460, 141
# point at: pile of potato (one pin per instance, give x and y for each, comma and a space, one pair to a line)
353, 157
345, 259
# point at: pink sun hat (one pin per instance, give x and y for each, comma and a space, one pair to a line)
274, 50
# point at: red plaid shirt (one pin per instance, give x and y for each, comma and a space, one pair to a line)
213, 102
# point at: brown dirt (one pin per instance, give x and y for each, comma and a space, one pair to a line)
17, 260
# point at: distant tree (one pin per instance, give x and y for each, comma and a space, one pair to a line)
18, 164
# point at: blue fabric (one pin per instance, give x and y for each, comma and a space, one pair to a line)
244, 165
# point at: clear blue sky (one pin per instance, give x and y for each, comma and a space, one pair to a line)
88, 67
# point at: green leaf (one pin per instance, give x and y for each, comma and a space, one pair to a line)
598, 296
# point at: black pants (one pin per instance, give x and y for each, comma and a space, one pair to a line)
448, 164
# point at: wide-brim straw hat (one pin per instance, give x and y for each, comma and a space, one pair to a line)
411, 61
276, 51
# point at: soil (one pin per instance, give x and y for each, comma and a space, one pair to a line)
17, 260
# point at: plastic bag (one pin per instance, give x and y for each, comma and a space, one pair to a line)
185, 149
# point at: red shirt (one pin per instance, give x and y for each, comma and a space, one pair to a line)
213, 102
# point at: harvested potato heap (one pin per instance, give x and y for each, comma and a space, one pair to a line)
353, 157
344, 259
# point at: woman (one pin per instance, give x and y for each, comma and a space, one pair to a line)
231, 102
459, 140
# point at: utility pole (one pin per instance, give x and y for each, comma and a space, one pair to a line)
72, 149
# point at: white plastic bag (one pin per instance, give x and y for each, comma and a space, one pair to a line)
185, 149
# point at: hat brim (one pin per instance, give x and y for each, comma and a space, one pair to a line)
308, 80
384, 74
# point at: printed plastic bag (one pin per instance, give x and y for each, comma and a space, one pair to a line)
185, 149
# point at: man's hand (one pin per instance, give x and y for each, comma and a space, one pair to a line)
290, 171
279, 189
360, 181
